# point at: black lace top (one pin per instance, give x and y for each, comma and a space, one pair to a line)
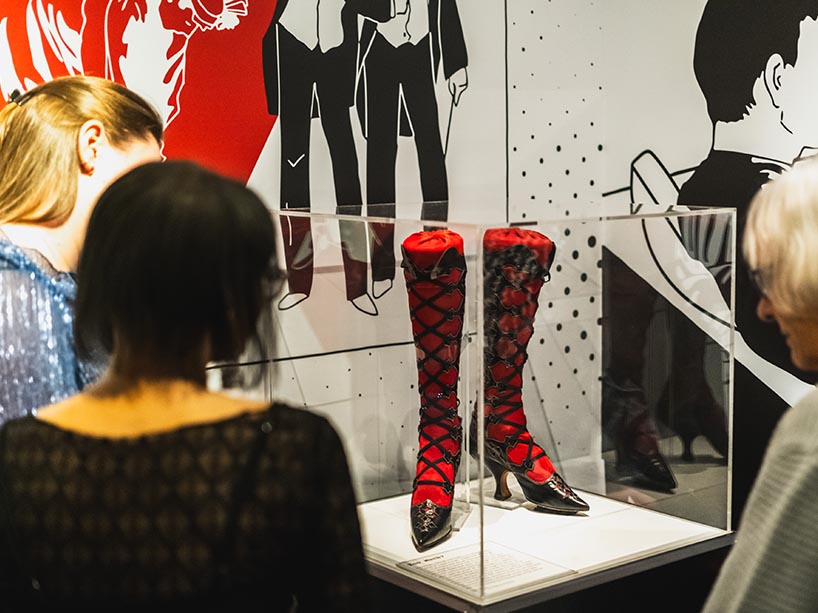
256, 512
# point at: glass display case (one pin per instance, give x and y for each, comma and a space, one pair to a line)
526, 410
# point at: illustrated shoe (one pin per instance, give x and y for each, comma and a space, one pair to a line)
435, 272
516, 265
380, 288
365, 305
290, 300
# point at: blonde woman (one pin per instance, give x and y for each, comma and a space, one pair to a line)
61, 144
774, 563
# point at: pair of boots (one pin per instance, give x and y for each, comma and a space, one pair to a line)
516, 264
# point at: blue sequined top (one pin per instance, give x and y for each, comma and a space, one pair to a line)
38, 362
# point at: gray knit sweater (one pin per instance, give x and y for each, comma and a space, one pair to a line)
774, 564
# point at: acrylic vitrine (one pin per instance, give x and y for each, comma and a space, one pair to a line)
616, 349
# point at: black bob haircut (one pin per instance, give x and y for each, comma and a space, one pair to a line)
175, 256
735, 39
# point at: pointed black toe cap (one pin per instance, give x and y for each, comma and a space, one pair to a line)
554, 495
655, 472
431, 524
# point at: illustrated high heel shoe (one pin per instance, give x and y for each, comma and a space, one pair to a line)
435, 271
516, 266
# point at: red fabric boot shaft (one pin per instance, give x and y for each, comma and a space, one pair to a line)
516, 265
434, 268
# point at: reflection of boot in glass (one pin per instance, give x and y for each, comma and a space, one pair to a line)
633, 429
713, 425
687, 396
435, 272
692, 416
515, 267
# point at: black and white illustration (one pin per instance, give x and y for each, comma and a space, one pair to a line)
609, 127
310, 60
760, 87
738, 111
399, 63
316, 55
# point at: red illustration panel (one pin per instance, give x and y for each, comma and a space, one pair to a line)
197, 61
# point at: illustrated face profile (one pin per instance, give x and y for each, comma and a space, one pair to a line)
797, 95
757, 67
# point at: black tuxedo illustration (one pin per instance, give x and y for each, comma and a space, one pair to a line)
396, 95
306, 76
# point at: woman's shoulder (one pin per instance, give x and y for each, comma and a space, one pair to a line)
302, 417
25, 433
799, 425
804, 411
28, 266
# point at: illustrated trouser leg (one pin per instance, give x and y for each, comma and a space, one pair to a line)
435, 271
331, 86
297, 73
516, 264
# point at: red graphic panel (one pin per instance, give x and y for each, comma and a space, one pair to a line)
198, 61
224, 123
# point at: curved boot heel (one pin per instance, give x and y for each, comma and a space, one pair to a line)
553, 494
501, 491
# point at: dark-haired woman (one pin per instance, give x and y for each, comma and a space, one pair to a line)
147, 491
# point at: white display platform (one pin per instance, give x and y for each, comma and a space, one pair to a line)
528, 553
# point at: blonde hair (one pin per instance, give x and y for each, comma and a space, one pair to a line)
39, 159
781, 238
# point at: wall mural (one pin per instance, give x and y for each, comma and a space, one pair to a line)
502, 112
757, 84
317, 55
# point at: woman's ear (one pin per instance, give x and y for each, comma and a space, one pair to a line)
91, 137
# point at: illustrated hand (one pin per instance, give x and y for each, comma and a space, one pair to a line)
458, 83
218, 14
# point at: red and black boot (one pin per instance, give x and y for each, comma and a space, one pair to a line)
435, 272
516, 264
